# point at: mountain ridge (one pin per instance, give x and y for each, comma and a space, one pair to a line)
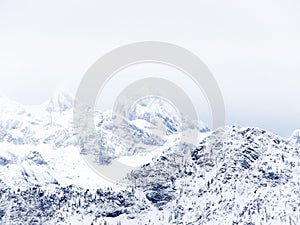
250, 176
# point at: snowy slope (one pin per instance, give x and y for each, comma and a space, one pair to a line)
47, 131
250, 177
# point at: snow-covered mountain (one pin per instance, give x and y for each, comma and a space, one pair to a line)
251, 176
47, 131
296, 136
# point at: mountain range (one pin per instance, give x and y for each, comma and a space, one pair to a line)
250, 176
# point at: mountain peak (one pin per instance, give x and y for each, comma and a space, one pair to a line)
9, 106
60, 101
296, 135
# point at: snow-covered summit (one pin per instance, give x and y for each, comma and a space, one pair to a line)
49, 127
9, 106
60, 101
296, 135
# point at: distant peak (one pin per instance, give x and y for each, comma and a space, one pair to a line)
9, 105
296, 135
61, 91
61, 100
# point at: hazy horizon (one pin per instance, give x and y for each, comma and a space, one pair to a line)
252, 49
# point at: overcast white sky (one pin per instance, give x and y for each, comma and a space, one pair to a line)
251, 47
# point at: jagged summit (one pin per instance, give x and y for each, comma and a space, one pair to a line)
60, 101
296, 135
